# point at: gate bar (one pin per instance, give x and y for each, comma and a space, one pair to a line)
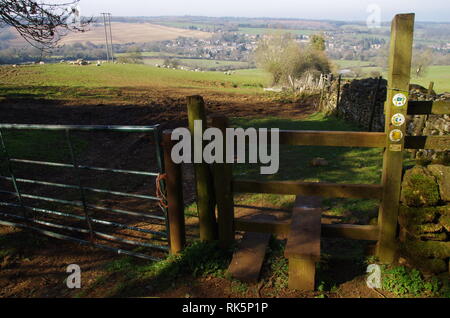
64, 165
68, 186
81, 127
10, 170
78, 217
68, 238
99, 234
80, 204
80, 185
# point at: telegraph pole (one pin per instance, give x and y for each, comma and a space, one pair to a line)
108, 36
111, 37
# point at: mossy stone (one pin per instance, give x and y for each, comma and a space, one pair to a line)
415, 216
440, 237
427, 249
435, 266
442, 175
419, 188
444, 220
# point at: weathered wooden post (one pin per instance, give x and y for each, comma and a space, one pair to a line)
174, 188
206, 201
396, 110
223, 175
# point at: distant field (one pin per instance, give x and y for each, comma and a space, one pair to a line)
199, 63
133, 32
351, 63
439, 74
262, 31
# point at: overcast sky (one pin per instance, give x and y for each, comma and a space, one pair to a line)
431, 10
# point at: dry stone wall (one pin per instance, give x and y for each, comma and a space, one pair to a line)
424, 218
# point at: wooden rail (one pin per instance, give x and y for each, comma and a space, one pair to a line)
429, 107
326, 190
333, 138
439, 143
349, 231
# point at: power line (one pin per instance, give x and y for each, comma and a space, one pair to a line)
108, 36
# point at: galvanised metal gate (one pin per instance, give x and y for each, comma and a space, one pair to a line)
22, 214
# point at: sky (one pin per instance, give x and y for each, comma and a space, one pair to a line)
355, 10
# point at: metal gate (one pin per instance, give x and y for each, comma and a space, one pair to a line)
144, 234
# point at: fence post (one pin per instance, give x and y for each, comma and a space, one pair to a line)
206, 201
174, 188
223, 177
398, 86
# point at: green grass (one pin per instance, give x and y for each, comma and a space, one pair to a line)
57, 81
439, 74
198, 260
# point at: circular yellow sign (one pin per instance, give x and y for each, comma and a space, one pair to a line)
396, 135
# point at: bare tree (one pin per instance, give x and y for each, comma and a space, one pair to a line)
420, 62
287, 61
42, 24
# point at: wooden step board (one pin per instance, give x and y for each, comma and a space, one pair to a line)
303, 243
248, 258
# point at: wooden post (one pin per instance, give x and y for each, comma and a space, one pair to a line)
430, 90
223, 177
204, 181
174, 188
398, 83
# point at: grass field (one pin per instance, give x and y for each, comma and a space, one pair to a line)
46, 80
439, 74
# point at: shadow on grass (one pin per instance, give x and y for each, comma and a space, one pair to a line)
135, 278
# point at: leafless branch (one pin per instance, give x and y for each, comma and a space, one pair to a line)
42, 24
